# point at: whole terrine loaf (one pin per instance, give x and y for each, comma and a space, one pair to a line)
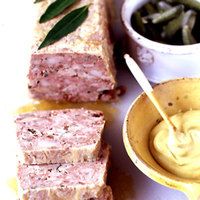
79, 67
59, 136
79, 181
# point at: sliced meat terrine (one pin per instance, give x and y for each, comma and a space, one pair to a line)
79, 67
59, 136
78, 181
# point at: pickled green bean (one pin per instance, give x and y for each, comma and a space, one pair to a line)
173, 26
150, 17
173, 22
189, 19
187, 36
168, 14
190, 3
150, 9
137, 20
163, 6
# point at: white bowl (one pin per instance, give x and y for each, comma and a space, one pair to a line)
160, 62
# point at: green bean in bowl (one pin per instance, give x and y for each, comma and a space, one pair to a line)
174, 22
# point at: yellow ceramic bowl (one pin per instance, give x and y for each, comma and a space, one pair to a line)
174, 95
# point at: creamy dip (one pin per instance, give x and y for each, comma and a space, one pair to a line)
178, 152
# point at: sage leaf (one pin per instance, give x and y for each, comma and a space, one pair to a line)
66, 25
55, 9
37, 1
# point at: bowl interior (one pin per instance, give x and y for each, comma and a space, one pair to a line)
174, 96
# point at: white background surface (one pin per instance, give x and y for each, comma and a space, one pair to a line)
15, 34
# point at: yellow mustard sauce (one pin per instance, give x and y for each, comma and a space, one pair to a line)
12, 184
108, 109
178, 152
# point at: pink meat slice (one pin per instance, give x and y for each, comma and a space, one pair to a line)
65, 181
59, 136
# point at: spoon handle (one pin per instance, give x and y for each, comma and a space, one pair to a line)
145, 85
138, 74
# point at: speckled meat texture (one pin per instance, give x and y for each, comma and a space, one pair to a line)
78, 67
59, 136
78, 181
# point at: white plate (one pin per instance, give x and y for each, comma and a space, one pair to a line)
15, 33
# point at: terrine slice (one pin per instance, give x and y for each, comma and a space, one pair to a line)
59, 136
79, 67
79, 181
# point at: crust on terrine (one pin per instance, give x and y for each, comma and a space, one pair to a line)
59, 136
78, 67
79, 181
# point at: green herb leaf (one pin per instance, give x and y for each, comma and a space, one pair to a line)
66, 25
37, 1
55, 9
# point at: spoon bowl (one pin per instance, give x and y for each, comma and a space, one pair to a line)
174, 96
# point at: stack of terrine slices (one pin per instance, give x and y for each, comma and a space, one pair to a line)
79, 67
61, 155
